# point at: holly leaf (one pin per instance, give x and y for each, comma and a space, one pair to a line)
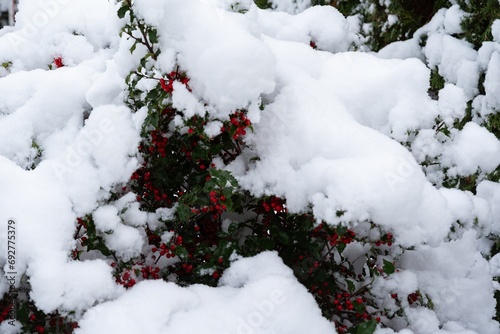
183, 212
153, 36
181, 252
350, 286
364, 328
123, 10
283, 237
389, 267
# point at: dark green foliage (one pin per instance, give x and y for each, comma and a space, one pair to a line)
477, 25
411, 16
263, 4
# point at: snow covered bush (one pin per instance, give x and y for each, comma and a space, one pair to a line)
208, 166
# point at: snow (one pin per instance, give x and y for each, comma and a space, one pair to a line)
225, 83
405, 108
465, 158
491, 192
492, 80
455, 60
125, 240
342, 133
290, 6
4, 5
452, 20
495, 30
256, 295
452, 274
452, 103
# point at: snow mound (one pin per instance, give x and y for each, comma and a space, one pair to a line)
256, 295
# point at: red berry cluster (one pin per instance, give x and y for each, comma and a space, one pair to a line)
5, 312
158, 143
126, 279
347, 306
273, 204
217, 205
187, 268
58, 62
343, 301
346, 239
150, 192
168, 85
164, 250
334, 236
40, 322
385, 240
414, 297
239, 122
80, 236
149, 272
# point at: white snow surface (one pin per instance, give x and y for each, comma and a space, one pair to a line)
328, 138
256, 295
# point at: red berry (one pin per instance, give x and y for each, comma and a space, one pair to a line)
58, 62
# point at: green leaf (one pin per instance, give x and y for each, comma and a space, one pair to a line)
266, 244
153, 36
365, 328
340, 247
389, 267
233, 227
123, 10
341, 230
359, 307
315, 253
284, 237
183, 212
103, 249
22, 313
181, 252
132, 48
350, 286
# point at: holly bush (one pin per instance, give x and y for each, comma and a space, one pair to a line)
208, 219
211, 219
